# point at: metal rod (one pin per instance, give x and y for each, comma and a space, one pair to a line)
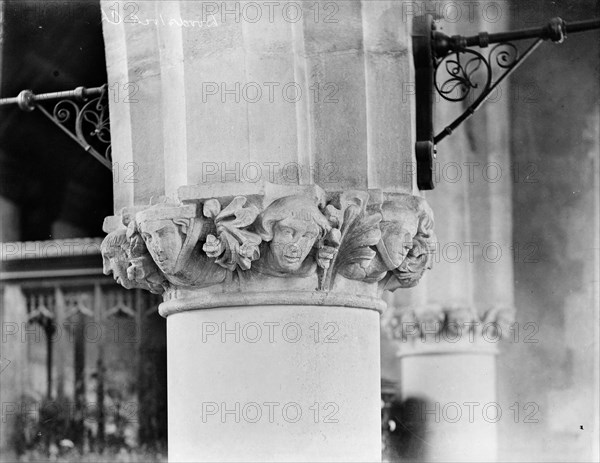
79, 92
518, 63
579, 26
556, 30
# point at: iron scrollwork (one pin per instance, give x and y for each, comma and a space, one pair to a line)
82, 114
459, 80
88, 125
450, 67
460, 74
504, 54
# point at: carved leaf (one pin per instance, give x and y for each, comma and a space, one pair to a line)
233, 246
213, 247
355, 252
211, 209
235, 215
359, 230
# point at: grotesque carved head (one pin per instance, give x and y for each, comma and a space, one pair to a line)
292, 225
398, 227
407, 240
164, 228
419, 257
115, 259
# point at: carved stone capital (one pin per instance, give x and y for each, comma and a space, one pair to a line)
282, 244
436, 328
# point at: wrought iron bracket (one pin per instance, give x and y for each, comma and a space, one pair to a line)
81, 113
449, 67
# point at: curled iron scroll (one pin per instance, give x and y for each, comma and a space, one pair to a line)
460, 69
87, 124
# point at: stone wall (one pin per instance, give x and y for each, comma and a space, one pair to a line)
555, 139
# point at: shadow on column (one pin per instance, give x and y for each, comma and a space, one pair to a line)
406, 431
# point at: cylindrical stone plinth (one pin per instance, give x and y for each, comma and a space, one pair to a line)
274, 383
450, 402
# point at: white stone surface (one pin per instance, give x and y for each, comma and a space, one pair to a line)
329, 370
455, 403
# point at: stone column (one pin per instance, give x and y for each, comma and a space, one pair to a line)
9, 220
448, 330
13, 360
267, 205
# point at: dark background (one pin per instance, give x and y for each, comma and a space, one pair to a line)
48, 47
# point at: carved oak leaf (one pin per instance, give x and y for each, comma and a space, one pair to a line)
233, 246
359, 230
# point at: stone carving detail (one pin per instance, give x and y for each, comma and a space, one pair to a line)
408, 241
358, 231
172, 234
142, 268
436, 322
120, 257
290, 228
314, 239
233, 246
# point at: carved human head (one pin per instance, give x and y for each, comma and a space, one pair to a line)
292, 225
398, 227
419, 257
114, 257
164, 228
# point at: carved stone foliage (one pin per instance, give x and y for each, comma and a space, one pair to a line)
435, 323
316, 241
234, 246
356, 225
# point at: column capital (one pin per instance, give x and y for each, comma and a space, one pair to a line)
435, 329
254, 244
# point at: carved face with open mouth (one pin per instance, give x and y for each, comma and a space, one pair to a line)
293, 239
